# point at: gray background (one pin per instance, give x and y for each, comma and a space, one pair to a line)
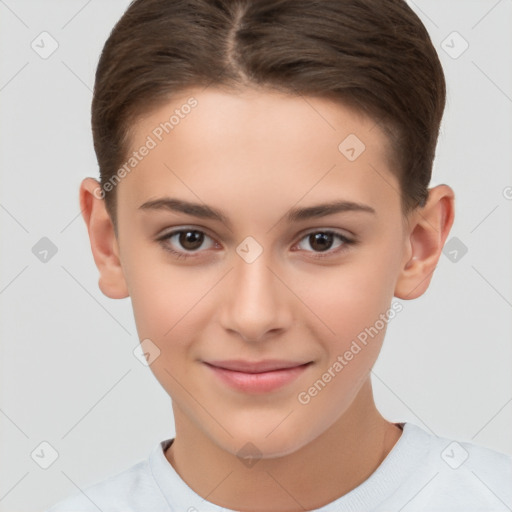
68, 374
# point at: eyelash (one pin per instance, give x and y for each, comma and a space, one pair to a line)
317, 255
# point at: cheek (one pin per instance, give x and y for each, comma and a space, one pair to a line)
351, 297
164, 301
167, 307
161, 291
355, 303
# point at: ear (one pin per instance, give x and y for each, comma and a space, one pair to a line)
427, 231
104, 246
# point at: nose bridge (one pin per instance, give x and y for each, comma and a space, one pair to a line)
256, 302
253, 279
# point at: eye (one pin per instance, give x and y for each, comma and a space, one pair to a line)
190, 240
323, 240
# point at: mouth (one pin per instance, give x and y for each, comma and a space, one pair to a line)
258, 376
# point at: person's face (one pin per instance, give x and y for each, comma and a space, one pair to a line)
260, 285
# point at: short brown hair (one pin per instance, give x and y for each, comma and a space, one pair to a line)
374, 55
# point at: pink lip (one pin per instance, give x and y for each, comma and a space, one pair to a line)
257, 377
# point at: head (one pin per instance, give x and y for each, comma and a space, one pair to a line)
258, 112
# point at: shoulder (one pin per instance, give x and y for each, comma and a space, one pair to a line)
131, 489
459, 475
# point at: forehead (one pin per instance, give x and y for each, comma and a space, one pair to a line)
260, 117
259, 146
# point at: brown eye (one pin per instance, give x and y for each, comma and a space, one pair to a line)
185, 243
190, 240
322, 241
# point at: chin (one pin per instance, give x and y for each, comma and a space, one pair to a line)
264, 442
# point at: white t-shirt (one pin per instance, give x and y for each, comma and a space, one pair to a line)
422, 472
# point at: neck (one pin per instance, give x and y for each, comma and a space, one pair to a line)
332, 465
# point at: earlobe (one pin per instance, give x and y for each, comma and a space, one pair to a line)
103, 240
428, 230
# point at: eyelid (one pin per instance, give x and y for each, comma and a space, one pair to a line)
168, 232
325, 229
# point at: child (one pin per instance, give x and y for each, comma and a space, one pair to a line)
254, 130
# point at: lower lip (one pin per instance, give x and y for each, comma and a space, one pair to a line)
258, 382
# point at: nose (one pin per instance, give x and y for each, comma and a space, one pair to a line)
257, 303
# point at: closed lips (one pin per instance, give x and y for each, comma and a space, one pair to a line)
256, 367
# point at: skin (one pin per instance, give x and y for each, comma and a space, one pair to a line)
254, 155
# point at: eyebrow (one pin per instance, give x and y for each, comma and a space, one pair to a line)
294, 215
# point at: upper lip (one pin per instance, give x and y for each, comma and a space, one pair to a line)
256, 366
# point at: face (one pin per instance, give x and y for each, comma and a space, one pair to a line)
269, 275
